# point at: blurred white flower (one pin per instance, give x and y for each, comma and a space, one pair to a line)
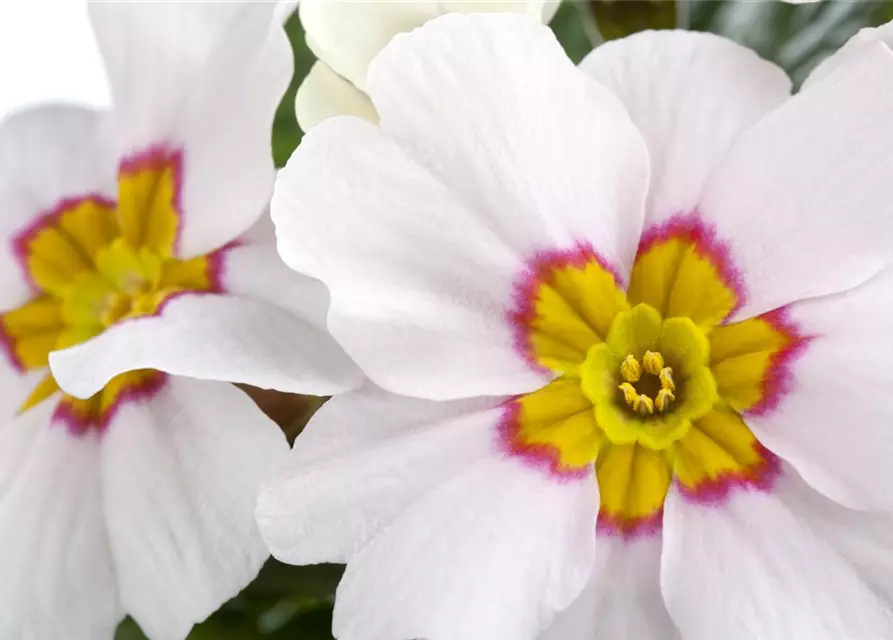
347, 34
133, 233
626, 328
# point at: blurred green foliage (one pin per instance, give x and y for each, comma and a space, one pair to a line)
296, 602
286, 134
283, 603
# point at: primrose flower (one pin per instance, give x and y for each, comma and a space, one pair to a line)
627, 331
133, 234
346, 35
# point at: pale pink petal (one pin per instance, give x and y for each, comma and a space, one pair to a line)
852, 48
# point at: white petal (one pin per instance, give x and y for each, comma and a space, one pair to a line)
834, 423
15, 386
491, 554
347, 35
622, 600
47, 154
31, 39
852, 48
235, 338
183, 72
181, 474
365, 457
752, 568
324, 94
494, 108
864, 539
58, 579
420, 285
691, 95
803, 198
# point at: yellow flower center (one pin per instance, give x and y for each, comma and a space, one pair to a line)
94, 263
655, 391
642, 403
650, 383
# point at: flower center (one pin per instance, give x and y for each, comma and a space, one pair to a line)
93, 263
650, 384
630, 378
653, 390
126, 283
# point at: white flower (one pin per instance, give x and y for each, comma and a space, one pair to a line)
140, 226
497, 250
347, 34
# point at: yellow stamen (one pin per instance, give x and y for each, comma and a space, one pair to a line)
629, 393
666, 379
653, 362
644, 405
664, 398
630, 369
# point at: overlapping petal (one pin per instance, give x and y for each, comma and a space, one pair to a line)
47, 154
491, 553
364, 458
852, 48
473, 99
756, 568
799, 195
181, 73
863, 539
705, 91
834, 425
267, 330
180, 476
419, 283
622, 600
447, 240
58, 574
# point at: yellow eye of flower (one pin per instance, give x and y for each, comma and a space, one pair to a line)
96, 263
650, 384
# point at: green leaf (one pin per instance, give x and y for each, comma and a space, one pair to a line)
575, 29
286, 133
